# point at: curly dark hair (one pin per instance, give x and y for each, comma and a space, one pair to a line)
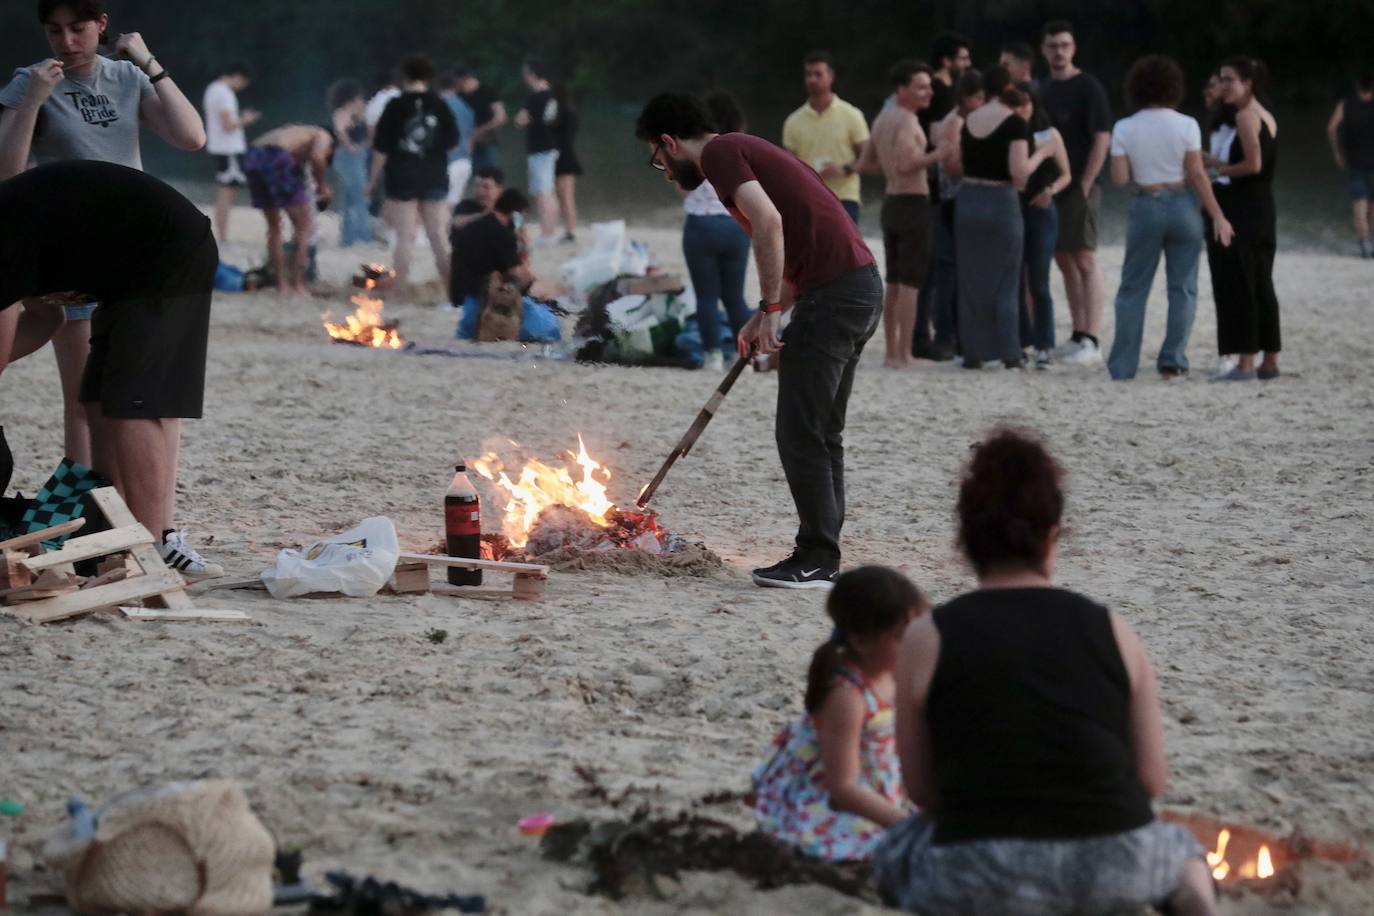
1154, 80
418, 68
725, 111
901, 72
677, 114
1010, 500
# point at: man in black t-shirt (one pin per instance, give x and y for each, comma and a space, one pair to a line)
146, 254
951, 58
411, 146
486, 245
490, 115
539, 119
1077, 106
487, 187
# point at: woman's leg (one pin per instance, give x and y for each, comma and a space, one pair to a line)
402, 216
1182, 250
1144, 243
699, 250
567, 201
734, 265
1043, 232
72, 345
435, 216
1267, 303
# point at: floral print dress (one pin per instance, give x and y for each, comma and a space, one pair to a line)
791, 801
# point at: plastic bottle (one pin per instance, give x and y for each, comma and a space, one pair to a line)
463, 526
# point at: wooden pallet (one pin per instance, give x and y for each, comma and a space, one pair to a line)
132, 548
413, 572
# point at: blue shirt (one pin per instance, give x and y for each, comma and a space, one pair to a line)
467, 123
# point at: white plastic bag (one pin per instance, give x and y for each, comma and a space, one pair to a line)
610, 256
357, 563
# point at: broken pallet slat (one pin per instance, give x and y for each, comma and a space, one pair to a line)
34, 538
145, 586
433, 559
91, 546
190, 615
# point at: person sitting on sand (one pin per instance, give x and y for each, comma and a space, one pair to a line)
833, 783
153, 279
489, 244
487, 185
275, 166
1029, 730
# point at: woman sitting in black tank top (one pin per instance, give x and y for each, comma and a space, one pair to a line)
1029, 730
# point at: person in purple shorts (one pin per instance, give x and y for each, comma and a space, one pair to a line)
285, 168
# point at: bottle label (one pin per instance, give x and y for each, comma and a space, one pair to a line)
462, 520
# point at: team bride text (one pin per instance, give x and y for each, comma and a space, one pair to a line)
95, 109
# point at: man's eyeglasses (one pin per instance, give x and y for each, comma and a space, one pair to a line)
653, 160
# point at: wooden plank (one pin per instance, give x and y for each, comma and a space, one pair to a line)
91, 546
193, 615
210, 585
87, 600
529, 587
34, 538
465, 563
468, 591
174, 599
410, 578
112, 506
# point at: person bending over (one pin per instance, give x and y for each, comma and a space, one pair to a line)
281, 167
153, 279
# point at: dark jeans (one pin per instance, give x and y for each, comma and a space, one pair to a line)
1042, 231
943, 282
830, 325
927, 322
852, 208
717, 252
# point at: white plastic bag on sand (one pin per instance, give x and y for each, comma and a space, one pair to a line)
610, 256
357, 563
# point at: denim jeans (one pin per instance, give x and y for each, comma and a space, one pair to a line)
1042, 231
351, 167
717, 252
943, 282
830, 325
852, 208
1166, 222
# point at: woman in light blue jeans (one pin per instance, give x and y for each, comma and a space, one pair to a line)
346, 106
1158, 152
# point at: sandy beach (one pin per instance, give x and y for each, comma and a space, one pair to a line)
1229, 524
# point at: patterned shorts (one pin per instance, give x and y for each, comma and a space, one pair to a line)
1118, 872
276, 180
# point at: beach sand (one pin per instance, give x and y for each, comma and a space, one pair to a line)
1228, 524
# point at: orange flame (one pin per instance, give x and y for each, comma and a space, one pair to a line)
540, 486
1262, 866
365, 325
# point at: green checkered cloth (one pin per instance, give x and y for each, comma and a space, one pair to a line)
61, 499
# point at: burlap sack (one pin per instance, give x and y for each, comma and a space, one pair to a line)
502, 306
192, 848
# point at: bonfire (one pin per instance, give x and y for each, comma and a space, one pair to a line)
365, 327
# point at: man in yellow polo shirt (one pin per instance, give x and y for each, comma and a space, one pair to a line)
828, 133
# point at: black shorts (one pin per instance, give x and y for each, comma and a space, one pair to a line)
148, 347
229, 171
906, 238
1077, 218
567, 164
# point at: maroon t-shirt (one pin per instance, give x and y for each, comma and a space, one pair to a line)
820, 242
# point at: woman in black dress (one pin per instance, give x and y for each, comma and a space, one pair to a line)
1243, 161
568, 167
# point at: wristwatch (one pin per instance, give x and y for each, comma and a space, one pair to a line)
769, 308
848, 168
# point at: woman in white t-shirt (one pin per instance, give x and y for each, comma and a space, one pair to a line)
717, 251
1158, 152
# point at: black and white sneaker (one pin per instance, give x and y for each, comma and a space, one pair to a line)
178, 554
794, 573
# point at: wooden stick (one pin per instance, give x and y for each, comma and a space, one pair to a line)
194, 615
694, 431
82, 602
34, 538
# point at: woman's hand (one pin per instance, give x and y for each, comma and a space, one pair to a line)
43, 79
522, 118
131, 46
1043, 199
1223, 232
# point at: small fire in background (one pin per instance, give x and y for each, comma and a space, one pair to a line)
365, 327
550, 507
1260, 867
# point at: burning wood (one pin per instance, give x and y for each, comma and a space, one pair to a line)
549, 508
365, 327
1245, 857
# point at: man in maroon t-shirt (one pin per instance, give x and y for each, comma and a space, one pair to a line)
811, 256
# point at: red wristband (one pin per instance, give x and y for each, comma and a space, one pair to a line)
769, 308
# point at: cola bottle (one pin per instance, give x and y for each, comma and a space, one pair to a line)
463, 526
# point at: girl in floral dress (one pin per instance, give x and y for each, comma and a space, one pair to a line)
833, 783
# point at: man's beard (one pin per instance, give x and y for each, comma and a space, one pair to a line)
687, 174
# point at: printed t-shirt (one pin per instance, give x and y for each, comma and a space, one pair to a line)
94, 116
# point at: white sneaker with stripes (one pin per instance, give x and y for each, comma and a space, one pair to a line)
178, 553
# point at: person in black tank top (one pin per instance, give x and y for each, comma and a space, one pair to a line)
1351, 135
1029, 729
1243, 272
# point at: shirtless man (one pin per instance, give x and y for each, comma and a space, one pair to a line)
898, 150
275, 166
